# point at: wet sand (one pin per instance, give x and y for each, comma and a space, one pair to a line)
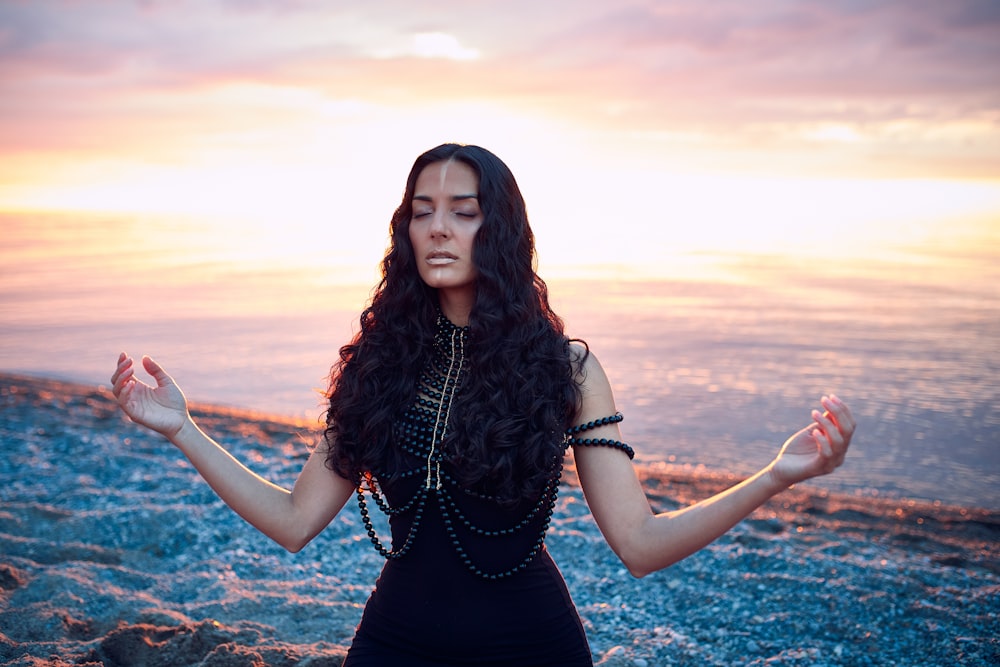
114, 552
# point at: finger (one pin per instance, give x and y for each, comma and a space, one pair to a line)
822, 441
841, 413
831, 460
834, 438
124, 379
154, 369
839, 417
848, 417
835, 461
125, 393
824, 420
123, 362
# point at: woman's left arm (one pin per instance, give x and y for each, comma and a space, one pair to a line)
647, 542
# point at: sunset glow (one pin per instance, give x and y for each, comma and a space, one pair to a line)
681, 127
739, 206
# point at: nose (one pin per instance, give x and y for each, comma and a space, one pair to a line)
439, 225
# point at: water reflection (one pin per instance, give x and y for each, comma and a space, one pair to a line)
713, 367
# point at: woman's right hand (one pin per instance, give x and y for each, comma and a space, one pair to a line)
162, 408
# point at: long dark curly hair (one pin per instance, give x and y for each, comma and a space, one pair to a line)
521, 391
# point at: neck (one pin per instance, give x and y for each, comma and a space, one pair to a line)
456, 307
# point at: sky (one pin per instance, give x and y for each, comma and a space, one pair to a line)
634, 128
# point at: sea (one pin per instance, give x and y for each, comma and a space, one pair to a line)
713, 365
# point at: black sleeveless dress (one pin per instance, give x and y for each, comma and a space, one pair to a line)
467, 580
429, 608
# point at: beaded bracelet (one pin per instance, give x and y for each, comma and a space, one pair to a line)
571, 440
602, 442
603, 421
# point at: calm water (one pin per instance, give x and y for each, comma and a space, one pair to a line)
713, 371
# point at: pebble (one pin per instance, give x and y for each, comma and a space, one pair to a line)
146, 541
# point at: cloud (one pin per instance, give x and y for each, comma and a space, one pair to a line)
725, 47
777, 73
828, 49
430, 45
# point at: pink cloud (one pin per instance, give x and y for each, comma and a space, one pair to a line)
70, 68
824, 48
773, 45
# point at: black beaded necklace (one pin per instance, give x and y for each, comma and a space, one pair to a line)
421, 432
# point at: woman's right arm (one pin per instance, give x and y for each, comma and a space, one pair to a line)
290, 518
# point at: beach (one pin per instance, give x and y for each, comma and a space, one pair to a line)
114, 552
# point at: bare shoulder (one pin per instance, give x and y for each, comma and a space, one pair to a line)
578, 351
588, 367
597, 396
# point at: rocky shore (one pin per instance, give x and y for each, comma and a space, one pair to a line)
114, 552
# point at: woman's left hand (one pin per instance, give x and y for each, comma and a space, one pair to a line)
818, 449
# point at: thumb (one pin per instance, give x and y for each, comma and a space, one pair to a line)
154, 369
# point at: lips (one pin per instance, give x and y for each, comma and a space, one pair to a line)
440, 257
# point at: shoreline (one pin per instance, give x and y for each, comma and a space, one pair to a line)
685, 475
109, 543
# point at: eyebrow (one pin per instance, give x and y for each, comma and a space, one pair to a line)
455, 198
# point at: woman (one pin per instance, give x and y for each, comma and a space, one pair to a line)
451, 411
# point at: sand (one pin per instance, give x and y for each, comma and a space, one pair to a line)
114, 552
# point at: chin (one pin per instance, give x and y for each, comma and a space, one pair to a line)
444, 281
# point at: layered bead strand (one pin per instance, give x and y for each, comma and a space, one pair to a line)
420, 434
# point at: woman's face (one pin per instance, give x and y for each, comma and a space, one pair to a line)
443, 226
